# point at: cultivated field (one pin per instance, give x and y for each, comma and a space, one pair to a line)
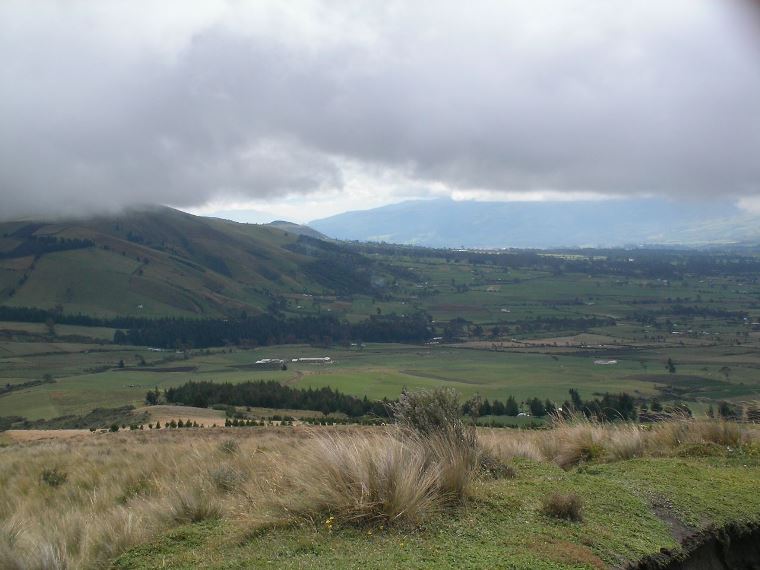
88, 376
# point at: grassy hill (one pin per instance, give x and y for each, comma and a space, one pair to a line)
159, 262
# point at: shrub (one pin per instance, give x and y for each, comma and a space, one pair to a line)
565, 506
188, 505
429, 411
226, 478
494, 468
435, 416
53, 477
707, 449
229, 446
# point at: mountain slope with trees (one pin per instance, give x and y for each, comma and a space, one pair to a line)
162, 262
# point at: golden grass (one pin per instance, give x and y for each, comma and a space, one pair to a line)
122, 489
368, 476
572, 442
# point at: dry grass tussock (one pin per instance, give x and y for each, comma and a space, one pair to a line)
80, 503
576, 441
393, 475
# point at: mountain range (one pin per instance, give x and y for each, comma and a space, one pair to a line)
605, 223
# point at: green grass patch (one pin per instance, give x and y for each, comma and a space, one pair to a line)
501, 527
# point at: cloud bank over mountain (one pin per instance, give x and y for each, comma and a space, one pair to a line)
107, 104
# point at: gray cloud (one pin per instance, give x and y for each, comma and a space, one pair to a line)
108, 104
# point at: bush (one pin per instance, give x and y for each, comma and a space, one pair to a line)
494, 468
229, 446
565, 506
706, 449
226, 478
53, 477
191, 505
429, 411
435, 416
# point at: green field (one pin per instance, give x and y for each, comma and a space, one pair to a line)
530, 324
88, 376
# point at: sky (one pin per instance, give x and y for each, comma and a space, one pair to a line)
302, 109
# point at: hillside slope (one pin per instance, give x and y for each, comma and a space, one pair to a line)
160, 261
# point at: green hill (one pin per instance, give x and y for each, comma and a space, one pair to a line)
160, 261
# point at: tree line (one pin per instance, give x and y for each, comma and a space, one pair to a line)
261, 330
39, 245
272, 394
609, 407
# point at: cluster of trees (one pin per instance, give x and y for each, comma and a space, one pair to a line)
510, 407
39, 245
341, 269
56, 315
687, 311
258, 329
609, 407
269, 330
729, 411
546, 324
271, 394
47, 379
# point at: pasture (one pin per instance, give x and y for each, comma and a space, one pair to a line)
90, 376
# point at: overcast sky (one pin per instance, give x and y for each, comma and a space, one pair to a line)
301, 109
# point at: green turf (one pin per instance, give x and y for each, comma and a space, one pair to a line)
501, 527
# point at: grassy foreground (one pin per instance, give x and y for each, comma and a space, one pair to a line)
371, 498
501, 527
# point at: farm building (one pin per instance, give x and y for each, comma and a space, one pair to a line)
271, 364
314, 360
605, 362
270, 361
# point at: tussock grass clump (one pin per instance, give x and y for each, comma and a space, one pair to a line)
565, 506
227, 478
574, 441
581, 443
492, 467
403, 474
229, 447
193, 504
670, 435
53, 477
366, 477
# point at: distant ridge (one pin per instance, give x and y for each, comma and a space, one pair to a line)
297, 229
607, 223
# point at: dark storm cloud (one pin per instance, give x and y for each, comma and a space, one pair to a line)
105, 104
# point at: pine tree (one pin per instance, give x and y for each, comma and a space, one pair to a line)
511, 408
